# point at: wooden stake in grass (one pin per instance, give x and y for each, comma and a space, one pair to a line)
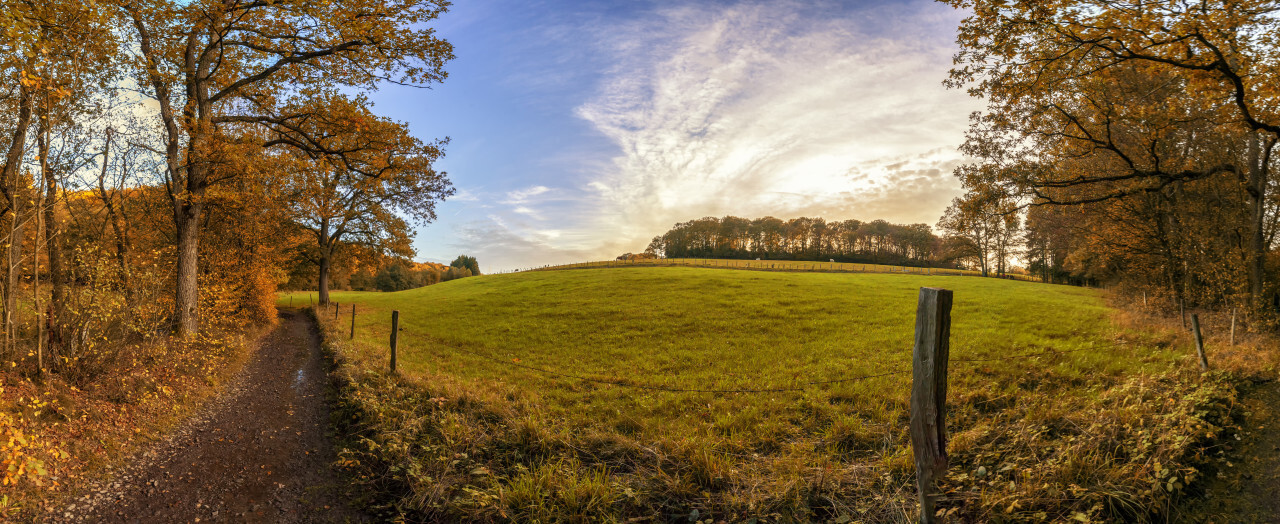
1233, 327
1195, 329
353, 321
395, 334
335, 311
929, 393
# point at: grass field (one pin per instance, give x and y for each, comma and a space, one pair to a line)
557, 373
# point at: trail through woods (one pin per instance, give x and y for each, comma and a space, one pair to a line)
259, 453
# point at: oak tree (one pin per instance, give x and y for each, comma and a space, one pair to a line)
242, 71
1098, 100
359, 197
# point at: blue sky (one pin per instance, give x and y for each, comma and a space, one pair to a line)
579, 130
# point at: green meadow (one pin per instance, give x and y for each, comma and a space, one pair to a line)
587, 361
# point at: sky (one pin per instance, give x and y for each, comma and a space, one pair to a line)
579, 130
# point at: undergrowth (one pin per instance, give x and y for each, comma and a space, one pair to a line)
60, 432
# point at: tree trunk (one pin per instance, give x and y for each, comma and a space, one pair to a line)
326, 258
1256, 190
187, 212
17, 232
186, 175
52, 238
982, 257
186, 300
324, 277
8, 180
17, 144
122, 245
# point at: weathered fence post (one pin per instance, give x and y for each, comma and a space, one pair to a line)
290, 300
929, 394
1195, 328
395, 334
1182, 313
335, 311
1233, 327
353, 321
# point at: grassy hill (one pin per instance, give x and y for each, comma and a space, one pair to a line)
616, 393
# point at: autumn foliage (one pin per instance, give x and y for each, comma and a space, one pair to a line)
160, 166
1152, 126
801, 238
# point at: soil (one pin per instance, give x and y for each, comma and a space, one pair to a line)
258, 453
1246, 485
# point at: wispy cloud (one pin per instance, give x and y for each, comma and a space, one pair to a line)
464, 195
521, 196
753, 109
764, 108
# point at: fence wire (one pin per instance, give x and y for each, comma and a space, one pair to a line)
1026, 356
798, 387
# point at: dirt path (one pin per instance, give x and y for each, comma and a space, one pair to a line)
259, 453
1246, 487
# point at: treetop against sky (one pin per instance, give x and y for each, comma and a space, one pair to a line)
580, 129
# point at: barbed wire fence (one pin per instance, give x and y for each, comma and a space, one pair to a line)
929, 370
798, 387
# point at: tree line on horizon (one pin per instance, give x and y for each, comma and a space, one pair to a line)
357, 269
991, 245
804, 238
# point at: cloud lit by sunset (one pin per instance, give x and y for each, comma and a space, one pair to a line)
624, 122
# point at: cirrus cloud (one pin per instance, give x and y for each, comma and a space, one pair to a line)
753, 109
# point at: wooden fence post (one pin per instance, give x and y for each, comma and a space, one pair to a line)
1182, 313
353, 321
335, 311
1195, 329
395, 334
929, 394
1233, 327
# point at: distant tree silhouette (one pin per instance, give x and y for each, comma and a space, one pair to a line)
802, 238
466, 262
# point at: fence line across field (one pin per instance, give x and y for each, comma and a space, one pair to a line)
930, 358
799, 387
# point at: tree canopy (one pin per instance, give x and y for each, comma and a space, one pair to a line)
802, 238
1157, 120
231, 77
